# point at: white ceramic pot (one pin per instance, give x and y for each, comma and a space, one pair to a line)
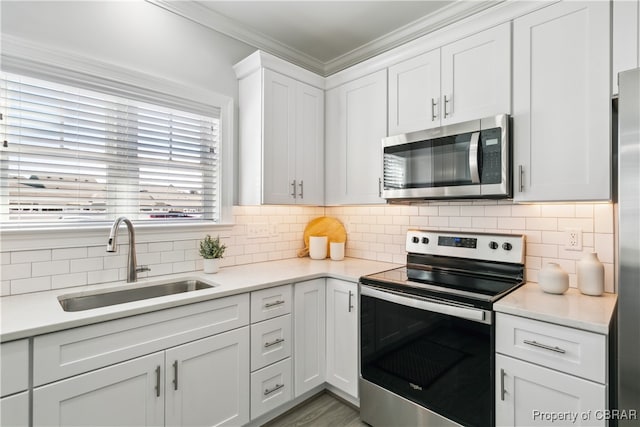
336, 251
590, 274
318, 247
553, 279
211, 265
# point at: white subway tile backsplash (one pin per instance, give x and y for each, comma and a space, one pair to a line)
33, 284
5, 288
374, 232
49, 268
30, 256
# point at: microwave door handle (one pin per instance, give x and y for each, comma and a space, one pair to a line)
473, 158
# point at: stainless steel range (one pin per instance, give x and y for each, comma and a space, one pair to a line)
427, 329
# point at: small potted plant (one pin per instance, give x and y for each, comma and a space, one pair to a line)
211, 250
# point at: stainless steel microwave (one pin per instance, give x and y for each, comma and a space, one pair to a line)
464, 160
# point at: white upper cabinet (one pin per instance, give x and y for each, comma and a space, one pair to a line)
476, 75
561, 103
464, 80
356, 122
414, 93
626, 37
281, 133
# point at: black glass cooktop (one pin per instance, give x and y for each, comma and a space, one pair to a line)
476, 290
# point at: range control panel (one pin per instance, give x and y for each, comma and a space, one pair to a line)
482, 246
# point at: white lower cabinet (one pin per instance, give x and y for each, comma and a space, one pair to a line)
528, 395
134, 391
309, 335
544, 370
14, 410
205, 382
342, 335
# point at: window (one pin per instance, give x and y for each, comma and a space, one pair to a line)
70, 154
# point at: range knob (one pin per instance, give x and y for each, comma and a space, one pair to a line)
493, 245
415, 239
425, 240
507, 246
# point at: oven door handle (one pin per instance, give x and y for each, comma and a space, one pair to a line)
427, 305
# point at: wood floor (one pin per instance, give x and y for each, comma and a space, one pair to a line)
321, 411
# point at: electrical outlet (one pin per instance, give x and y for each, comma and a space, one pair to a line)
573, 239
257, 229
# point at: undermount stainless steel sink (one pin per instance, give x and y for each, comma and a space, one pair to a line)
104, 299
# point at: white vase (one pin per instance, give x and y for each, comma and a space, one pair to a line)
211, 265
590, 274
553, 279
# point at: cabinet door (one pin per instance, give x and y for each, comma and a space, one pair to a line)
342, 336
476, 76
208, 381
562, 106
526, 392
626, 37
279, 138
414, 93
309, 145
309, 329
356, 122
14, 410
126, 394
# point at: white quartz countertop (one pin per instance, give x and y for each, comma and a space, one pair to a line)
39, 313
571, 309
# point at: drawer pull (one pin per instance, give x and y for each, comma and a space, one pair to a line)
175, 375
275, 388
273, 304
274, 342
544, 346
502, 390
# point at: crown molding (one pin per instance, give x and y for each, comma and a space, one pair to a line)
447, 15
442, 17
199, 14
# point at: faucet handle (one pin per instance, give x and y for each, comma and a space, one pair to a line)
142, 268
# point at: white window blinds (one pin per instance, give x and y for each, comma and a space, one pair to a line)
70, 154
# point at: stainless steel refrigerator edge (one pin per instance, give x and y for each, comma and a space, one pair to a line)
628, 224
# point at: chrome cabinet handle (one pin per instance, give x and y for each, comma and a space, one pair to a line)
379, 187
301, 185
158, 381
433, 109
447, 111
293, 191
520, 178
274, 342
502, 390
273, 304
275, 388
175, 375
350, 304
473, 158
544, 346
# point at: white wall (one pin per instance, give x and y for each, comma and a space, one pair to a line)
131, 34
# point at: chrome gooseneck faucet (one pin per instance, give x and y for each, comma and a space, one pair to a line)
112, 246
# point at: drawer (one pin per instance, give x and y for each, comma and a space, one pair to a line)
14, 365
270, 341
569, 350
270, 303
271, 387
74, 351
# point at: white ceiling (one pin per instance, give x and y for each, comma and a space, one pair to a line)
325, 36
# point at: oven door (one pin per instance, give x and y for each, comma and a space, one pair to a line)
435, 354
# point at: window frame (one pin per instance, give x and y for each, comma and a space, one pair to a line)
26, 58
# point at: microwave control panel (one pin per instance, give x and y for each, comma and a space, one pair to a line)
491, 165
